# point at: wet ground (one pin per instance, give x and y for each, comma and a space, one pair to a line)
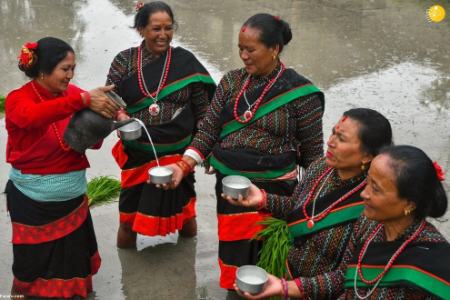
377, 53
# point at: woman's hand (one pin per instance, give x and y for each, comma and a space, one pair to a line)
273, 287
208, 168
101, 103
254, 198
177, 176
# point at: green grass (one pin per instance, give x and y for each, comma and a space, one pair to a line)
2, 104
102, 189
273, 254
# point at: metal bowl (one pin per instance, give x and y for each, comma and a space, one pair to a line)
159, 175
235, 185
130, 131
251, 279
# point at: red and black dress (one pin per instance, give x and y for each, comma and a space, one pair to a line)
419, 271
182, 101
284, 132
54, 244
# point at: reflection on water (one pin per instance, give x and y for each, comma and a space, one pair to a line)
397, 92
26, 20
144, 269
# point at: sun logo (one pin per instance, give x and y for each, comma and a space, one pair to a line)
436, 14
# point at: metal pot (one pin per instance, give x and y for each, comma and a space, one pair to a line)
86, 128
159, 175
130, 131
251, 279
235, 185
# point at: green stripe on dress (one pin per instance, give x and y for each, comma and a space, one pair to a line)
333, 218
171, 88
270, 174
270, 106
398, 276
160, 148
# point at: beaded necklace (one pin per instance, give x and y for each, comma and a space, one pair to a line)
63, 146
250, 112
312, 196
377, 279
153, 109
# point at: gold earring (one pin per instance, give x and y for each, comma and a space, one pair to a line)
407, 211
363, 167
42, 76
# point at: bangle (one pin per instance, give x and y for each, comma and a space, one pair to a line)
86, 97
121, 111
184, 166
284, 288
263, 202
299, 285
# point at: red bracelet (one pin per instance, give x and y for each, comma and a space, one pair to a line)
263, 202
284, 287
86, 97
184, 166
121, 111
299, 285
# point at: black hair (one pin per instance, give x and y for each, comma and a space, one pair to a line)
274, 31
142, 16
49, 52
417, 181
375, 130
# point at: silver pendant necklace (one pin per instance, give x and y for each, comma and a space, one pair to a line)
154, 108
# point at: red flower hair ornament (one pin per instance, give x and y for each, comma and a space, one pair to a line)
439, 171
27, 56
139, 5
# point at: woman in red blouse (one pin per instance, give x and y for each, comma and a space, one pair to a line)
54, 244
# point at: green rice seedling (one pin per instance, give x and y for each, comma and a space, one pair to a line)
102, 189
275, 237
2, 104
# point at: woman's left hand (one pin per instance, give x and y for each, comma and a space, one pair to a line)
272, 288
253, 199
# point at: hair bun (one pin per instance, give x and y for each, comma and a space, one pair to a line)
27, 56
286, 31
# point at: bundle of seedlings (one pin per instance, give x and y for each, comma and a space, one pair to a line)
275, 237
102, 189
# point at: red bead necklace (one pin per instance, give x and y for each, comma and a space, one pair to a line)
63, 146
154, 108
391, 260
250, 113
312, 196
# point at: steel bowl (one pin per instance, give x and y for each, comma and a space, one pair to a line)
130, 131
251, 279
159, 175
235, 185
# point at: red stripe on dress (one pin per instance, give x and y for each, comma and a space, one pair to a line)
240, 226
59, 288
127, 218
138, 175
227, 275
96, 262
152, 226
27, 234
119, 154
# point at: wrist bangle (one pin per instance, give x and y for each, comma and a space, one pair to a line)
263, 202
184, 166
299, 285
284, 288
121, 111
86, 97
